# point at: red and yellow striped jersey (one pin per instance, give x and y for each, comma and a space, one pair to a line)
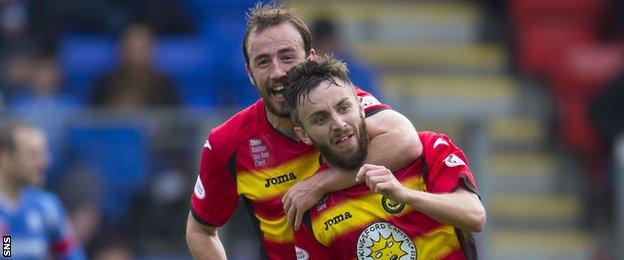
356, 223
246, 156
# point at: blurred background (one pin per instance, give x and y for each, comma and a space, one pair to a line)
127, 90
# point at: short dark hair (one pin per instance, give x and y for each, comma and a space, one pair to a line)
263, 16
303, 78
8, 130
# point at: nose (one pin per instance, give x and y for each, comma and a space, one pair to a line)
277, 70
337, 122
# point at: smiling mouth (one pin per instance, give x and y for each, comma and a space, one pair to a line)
278, 92
343, 139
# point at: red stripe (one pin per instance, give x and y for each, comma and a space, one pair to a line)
270, 209
276, 250
416, 223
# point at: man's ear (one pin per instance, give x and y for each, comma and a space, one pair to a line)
303, 135
312, 55
249, 75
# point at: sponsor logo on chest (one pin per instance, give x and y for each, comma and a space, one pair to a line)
259, 152
280, 179
337, 219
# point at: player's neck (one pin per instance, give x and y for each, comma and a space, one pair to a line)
283, 124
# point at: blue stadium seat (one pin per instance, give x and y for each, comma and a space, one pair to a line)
120, 154
190, 62
85, 57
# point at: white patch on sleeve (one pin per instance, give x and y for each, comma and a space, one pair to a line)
200, 193
453, 160
439, 141
301, 253
207, 144
368, 101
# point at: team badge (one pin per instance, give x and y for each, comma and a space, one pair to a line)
301, 253
199, 189
391, 206
368, 101
382, 240
453, 160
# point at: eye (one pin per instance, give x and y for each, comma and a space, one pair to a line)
319, 120
344, 108
288, 58
262, 63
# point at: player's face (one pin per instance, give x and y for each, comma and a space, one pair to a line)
272, 53
30, 159
333, 120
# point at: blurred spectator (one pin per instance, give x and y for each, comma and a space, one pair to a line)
42, 103
326, 40
15, 75
49, 18
135, 83
165, 16
13, 21
33, 217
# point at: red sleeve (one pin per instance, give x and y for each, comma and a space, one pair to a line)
447, 165
215, 197
370, 104
306, 245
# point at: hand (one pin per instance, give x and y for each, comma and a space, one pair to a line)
299, 198
381, 180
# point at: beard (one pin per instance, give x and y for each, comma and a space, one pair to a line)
347, 161
267, 97
283, 113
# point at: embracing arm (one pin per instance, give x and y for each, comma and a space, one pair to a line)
203, 241
460, 208
394, 144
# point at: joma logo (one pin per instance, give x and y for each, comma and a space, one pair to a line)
280, 179
337, 219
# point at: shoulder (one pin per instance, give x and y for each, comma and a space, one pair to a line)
437, 146
236, 128
435, 143
46, 201
369, 102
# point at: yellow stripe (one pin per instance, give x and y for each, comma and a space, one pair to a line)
276, 230
415, 183
361, 211
436, 244
252, 184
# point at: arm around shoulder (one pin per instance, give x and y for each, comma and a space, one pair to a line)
461, 208
394, 140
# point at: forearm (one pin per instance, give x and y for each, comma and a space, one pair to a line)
203, 242
461, 209
392, 150
394, 140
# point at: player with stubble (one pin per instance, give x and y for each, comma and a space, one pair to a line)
426, 210
256, 154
